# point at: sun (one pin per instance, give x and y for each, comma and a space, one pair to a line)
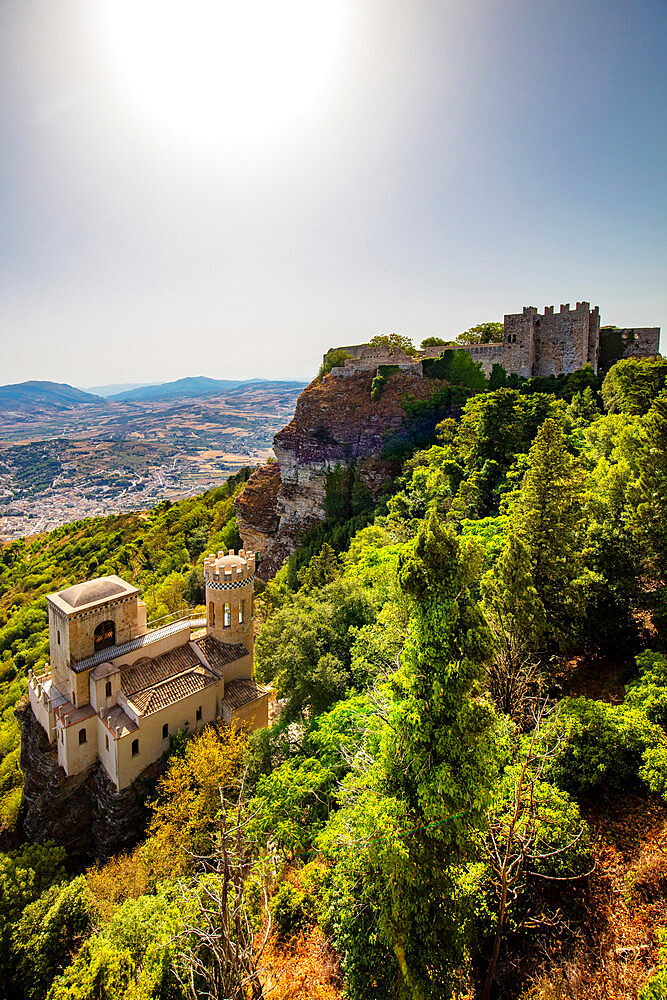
221, 72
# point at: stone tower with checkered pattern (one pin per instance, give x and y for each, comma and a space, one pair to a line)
230, 580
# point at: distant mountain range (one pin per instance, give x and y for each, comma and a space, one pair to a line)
38, 395
116, 387
28, 399
199, 386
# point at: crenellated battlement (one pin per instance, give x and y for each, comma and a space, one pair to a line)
229, 568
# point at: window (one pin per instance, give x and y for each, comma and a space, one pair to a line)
165, 731
135, 748
241, 612
82, 736
106, 740
58, 634
107, 690
74, 698
105, 635
211, 614
226, 615
199, 714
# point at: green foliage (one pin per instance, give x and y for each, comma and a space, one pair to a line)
50, 933
649, 519
548, 519
457, 368
394, 340
24, 876
483, 333
649, 692
378, 383
333, 359
633, 384
291, 910
130, 956
656, 986
434, 342
611, 747
305, 647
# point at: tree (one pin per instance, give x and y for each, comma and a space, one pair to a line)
548, 519
305, 647
184, 817
420, 789
396, 340
516, 617
435, 342
483, 333
534, 830
219, 949
649, 519
632, 384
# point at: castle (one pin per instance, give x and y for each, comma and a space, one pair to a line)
533, 345
116, 690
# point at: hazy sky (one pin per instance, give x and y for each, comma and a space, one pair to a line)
437, 164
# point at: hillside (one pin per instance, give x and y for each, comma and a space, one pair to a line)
465, 792
31, 396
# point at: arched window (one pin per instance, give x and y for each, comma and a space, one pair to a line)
241, 612
211, 614
226, 615
105, 635
82, 736
108, 689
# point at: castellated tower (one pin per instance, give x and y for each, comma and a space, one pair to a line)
230, 583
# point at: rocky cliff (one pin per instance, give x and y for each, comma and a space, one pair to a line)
336, 423
84, 813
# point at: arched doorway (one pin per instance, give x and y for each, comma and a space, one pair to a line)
105, 635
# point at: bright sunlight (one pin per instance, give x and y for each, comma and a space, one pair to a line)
226, 73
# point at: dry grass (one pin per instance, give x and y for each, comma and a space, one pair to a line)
611, 952
304, 969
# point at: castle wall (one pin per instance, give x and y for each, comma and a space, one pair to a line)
561, 340
519, 342
487, 355
181, 715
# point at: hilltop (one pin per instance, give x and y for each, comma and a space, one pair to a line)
32, 396
194, 387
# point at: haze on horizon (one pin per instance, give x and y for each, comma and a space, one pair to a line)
227, 194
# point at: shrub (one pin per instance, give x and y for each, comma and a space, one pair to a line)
649, 691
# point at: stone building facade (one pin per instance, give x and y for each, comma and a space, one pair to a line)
534, 345
115, 690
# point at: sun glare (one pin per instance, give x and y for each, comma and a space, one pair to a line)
225, 72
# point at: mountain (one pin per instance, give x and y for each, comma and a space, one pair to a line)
38, 395
117, 387
199, 386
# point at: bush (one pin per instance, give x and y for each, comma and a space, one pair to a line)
649, 692
291, 910
333, 359
610, 747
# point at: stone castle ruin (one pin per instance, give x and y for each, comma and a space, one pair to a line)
534, 345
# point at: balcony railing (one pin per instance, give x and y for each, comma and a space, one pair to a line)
182, 615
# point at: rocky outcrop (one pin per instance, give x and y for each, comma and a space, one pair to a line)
83, 813
336, 423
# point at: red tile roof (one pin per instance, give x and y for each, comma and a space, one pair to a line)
220, 654
242, 692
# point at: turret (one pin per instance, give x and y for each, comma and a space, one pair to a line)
230, 581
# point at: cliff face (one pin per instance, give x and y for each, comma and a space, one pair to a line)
335, 423
84, 813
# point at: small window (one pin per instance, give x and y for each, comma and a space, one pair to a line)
107, 689
135, 748
241, 612
199, 714
58, 634
74, 698
165, 731
211, 614
82, 736
226, 615
106, 740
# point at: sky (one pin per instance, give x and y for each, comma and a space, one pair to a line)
195, 195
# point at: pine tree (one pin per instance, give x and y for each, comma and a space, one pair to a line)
548, 519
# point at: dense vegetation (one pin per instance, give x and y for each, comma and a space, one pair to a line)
418, 820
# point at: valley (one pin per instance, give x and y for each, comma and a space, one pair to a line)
59, 465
